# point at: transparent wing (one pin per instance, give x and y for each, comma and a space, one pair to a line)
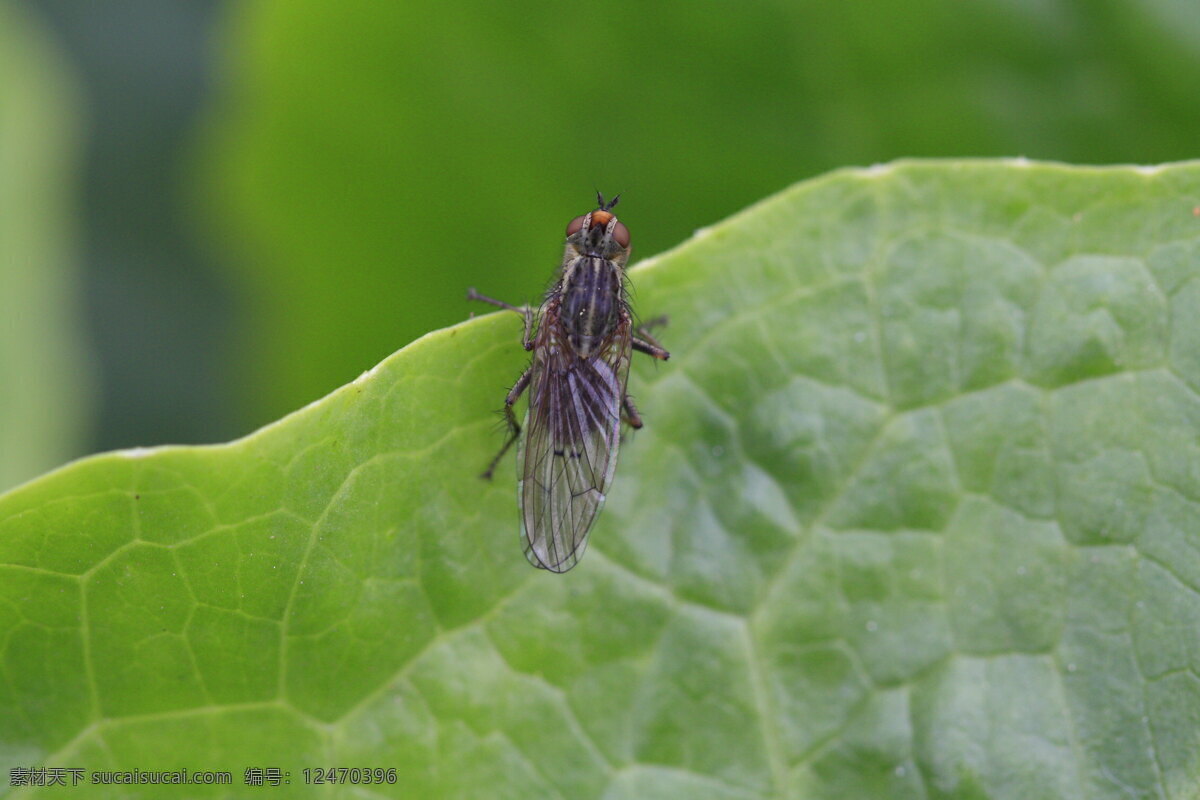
569, 452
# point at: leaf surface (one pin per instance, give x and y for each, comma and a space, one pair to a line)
914, 515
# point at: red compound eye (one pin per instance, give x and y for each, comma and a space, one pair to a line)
575, 225
621, 234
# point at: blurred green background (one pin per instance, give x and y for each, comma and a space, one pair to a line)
211, 214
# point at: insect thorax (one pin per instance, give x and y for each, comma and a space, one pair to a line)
590, 302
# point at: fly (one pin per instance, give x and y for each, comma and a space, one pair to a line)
581, 339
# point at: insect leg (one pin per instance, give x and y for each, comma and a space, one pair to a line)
527, 339
483, 298
644, 342
650, 348
514, 427
524, 311
631, 413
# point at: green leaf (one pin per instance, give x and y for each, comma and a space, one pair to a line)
915, 514
43, 382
